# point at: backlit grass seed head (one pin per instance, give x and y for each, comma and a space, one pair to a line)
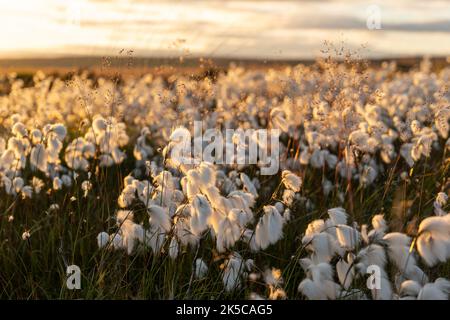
26, 235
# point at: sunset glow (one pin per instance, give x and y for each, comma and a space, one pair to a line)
252, 29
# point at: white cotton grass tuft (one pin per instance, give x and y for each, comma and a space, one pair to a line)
287, 215
331, 239
200, 214
38, 158
234, 267
288, 197
53, 207
102, 239
311, 290
182, 229
123, 215
130, 234
248, 185
206, 174
86, 186
18, 183
255, 296
277, 294
323, 246
200, 268
441, 199
19, 130
155, 239
379, 226
57, 183
229, 232
26, 235
439, 290
347, 236
240, 217
278, 119
99, 124
173, 248
319, 284
409, 290
272, 277
274, 281
116, 241
439, 203
433, 241
291, 181
378, 223
37, 184
269, 228
57, 131
346, 271
371, 256
127, 196
159, 217
338, 216
399, 250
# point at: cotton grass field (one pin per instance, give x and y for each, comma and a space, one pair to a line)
88, 178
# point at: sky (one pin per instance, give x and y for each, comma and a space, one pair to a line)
232, 29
